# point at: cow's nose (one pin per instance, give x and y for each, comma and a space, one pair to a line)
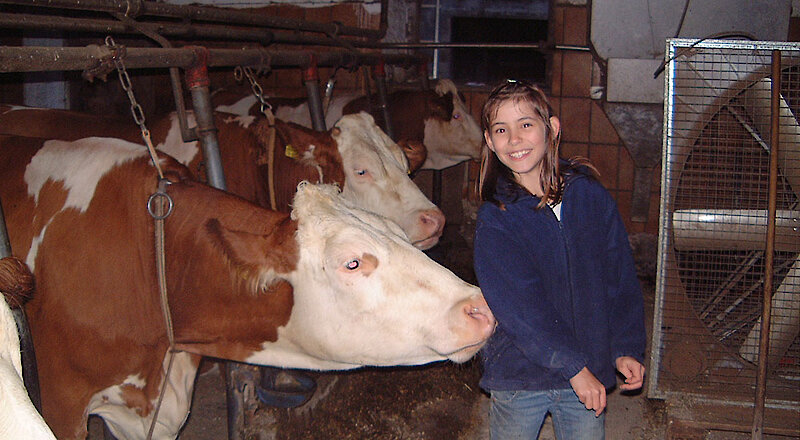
477, 309
432, 222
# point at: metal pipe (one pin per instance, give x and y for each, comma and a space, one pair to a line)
186, 31
379, 75
43, 59
198, 83
436, 45
766, 313
222, 32
134, 9
311, 81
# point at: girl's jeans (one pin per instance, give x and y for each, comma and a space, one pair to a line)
519, 415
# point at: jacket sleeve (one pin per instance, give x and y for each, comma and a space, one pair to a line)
626, 317
506, 275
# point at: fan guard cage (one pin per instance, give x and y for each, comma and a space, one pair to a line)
712, 225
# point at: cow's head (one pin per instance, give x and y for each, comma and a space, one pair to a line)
364, 296
452, 135
376, 179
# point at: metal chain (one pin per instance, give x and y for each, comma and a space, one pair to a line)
136, 109
247, 72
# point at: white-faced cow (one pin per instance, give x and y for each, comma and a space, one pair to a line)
18, 417
355, 154
327, 287
438, 118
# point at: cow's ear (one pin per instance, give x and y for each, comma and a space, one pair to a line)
415, 153
245, 251
441, 106
295, 141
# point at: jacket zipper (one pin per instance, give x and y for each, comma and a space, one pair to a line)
562, 237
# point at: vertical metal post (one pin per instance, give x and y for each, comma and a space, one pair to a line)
763, 346
379, 75
198, 82
30, 371
311, 81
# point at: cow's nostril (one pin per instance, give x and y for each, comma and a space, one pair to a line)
433, 219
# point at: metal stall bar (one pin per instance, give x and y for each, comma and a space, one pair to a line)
134, 8
379, 75
43, 59
311, 81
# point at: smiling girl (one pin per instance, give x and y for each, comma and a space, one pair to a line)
553, 260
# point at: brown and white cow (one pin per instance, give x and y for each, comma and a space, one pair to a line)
327, 287
18, 417
438, 118
369, 167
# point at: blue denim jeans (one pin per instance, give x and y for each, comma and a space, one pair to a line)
519, 415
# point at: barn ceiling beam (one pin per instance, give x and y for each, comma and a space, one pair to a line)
139, 8
43, 59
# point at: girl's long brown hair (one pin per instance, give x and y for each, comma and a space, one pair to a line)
552, 177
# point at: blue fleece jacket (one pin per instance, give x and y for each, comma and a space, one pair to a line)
565, 293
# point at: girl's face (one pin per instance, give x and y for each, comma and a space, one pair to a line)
517, 136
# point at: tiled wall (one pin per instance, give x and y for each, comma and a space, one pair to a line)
586, 131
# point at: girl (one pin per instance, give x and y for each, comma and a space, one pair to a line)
554, 262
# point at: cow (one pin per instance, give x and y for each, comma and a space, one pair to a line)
355, 154
325, 287
438, 119
18, 417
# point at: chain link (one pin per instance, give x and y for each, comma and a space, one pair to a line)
247, 72
136, 109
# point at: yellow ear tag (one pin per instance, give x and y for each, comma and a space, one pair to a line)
289, 151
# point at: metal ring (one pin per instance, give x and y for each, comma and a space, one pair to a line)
150, 206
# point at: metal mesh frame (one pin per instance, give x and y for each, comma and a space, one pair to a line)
712, 225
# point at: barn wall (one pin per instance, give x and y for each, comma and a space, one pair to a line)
586, 129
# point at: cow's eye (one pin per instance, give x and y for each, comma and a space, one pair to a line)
352, 264
361, 172
456, 115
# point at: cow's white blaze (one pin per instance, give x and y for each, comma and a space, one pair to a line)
392, 304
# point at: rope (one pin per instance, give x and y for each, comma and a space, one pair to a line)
271, 158
158, 214
266, 108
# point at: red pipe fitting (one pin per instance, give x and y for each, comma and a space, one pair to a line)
311, 72
379, 70
197, 73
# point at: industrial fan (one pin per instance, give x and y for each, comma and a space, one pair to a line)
713, 223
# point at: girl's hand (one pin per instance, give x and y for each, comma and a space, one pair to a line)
633, 372
590, 391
